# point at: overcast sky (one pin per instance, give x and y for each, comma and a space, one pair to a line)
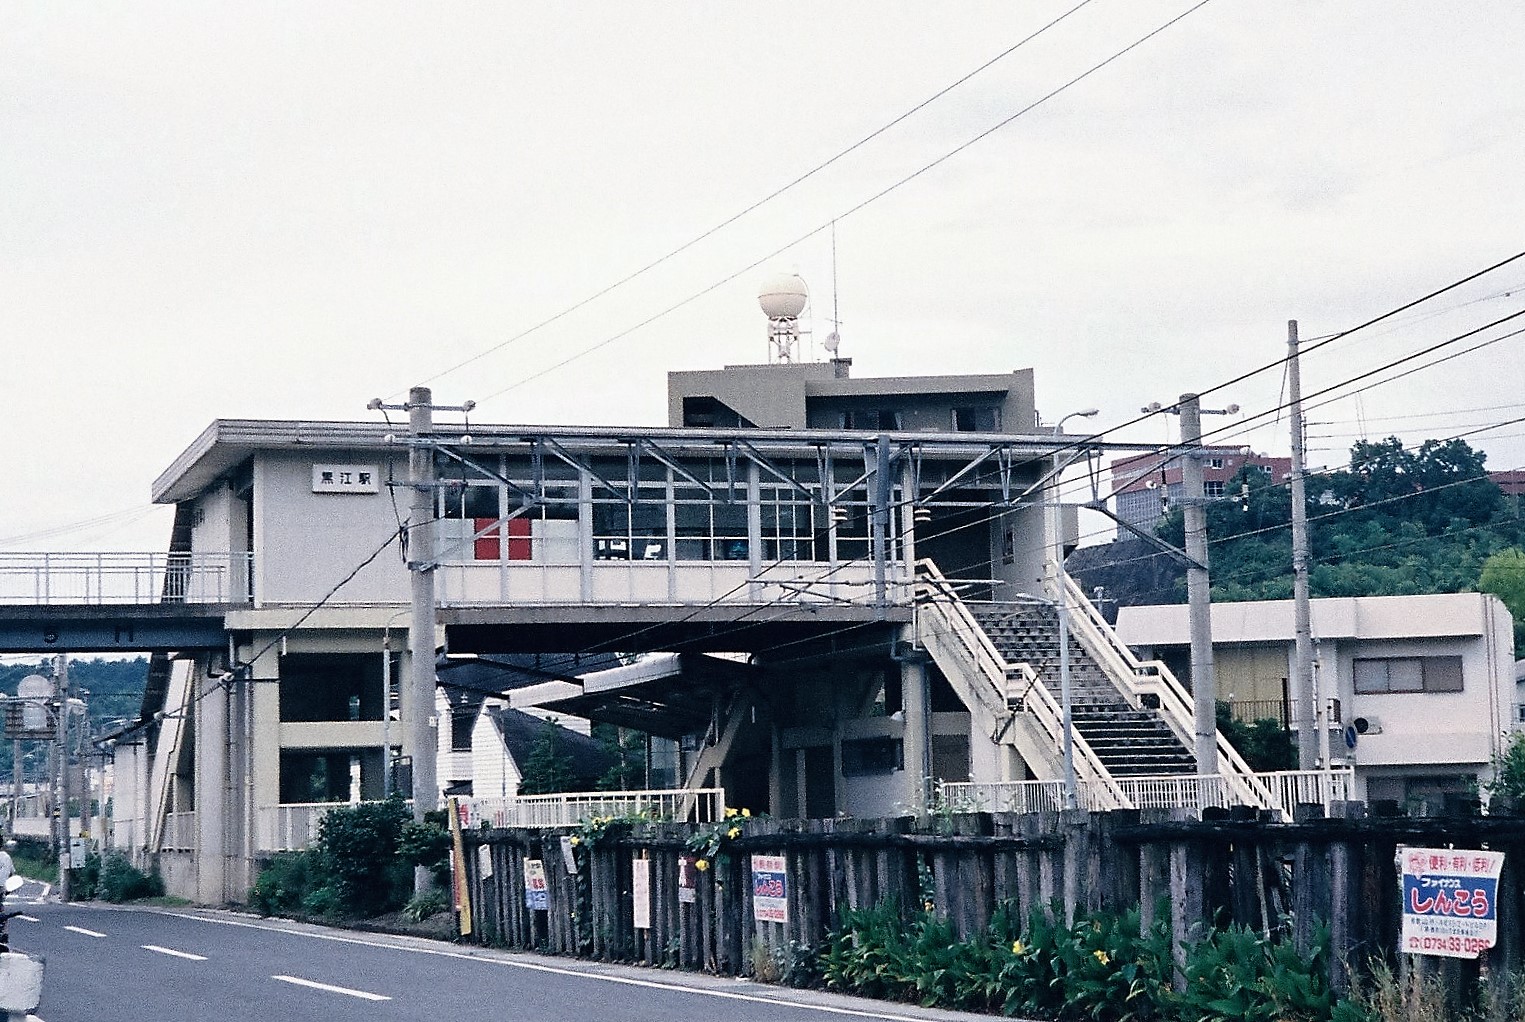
283, 210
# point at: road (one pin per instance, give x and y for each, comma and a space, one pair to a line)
122, 964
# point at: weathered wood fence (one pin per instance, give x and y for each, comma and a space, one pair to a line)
1232, 865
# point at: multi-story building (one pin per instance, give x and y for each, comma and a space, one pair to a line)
1148, 486
1419, 691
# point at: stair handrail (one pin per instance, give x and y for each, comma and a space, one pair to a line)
950, 611
1139, 678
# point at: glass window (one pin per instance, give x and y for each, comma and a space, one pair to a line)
977, 420
1407, 674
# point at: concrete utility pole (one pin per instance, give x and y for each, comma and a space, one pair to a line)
881, 512
1204, 681
1309, 719
61, 687
420, 734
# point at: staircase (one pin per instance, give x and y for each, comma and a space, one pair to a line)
1129, 742
1132, 720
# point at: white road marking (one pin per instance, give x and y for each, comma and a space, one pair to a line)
81, 929
29, 919
891, 1010
362, 994
171, 951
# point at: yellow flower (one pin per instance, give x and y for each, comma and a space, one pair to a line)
927, 905
1102, 957
730, 812
1018, 948
746, 813
733, 833
575, 841
701, 864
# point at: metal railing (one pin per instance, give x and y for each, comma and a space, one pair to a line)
179, 833
133, 578
952, 633
1288, 788
1185, 791
567, 809
292, 826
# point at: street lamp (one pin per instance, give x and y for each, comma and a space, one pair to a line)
1084, 413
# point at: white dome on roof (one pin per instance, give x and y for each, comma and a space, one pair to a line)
783, 296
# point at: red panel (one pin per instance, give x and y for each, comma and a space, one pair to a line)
518, 539
486, 545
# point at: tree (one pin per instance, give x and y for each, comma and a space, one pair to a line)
548, 768
1503, 575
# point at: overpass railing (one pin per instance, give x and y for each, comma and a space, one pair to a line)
132, 578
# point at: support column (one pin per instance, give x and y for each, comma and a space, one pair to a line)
916, 704
211, 716
1204, 682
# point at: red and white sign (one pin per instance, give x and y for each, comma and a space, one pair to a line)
1450, 901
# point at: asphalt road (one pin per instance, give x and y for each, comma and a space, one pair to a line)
113, 964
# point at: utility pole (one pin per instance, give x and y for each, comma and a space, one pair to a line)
61, 680
1309, 717
1204, 681
420, 734
881, 512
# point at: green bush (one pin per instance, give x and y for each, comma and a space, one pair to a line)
422, 906
427, 844
285, 881
359, 848
121, 881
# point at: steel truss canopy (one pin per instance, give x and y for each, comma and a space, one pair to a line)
939, 463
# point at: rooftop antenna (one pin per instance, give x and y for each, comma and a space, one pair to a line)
783, 298
834, 339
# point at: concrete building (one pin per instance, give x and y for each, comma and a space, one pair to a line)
828, 594
1420, 689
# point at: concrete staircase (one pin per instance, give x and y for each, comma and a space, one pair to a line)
1129, 742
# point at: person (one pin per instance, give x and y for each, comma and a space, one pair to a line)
7, 867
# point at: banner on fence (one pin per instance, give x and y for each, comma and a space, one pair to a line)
688, 881
536, 896
568, 855
1450, 901
770, 889
640, 892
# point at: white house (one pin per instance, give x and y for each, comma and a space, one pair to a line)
1420, 689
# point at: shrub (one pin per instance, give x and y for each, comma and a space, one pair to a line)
359, 846
285, 882
422, 906
121, 881
427, 844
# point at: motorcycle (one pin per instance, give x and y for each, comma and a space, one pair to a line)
20, 975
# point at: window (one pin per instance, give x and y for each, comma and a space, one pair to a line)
462, 723
866, 756
977, 420
878, 418
1213, 488
1407, 674
1214, 462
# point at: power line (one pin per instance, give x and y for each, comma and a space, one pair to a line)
728, 221
850, 211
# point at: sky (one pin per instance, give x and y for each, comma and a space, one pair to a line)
282, 210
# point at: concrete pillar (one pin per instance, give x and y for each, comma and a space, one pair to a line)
212, 731
916, 704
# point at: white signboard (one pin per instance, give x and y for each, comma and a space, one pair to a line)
1450, 901
484, 861
537, 897
770, 889
345, 479
640, 892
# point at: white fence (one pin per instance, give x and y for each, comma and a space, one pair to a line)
290, 827
1286, 789
136, 578
698, 805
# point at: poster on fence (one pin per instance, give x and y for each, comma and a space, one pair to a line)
770, 889
640, 892
1450, 901
536, 896
688, 881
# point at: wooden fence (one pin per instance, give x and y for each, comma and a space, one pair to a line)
1233, 865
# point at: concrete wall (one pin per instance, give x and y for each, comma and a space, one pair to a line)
306, 542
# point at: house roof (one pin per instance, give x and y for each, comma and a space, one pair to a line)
501, 673
522, 732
